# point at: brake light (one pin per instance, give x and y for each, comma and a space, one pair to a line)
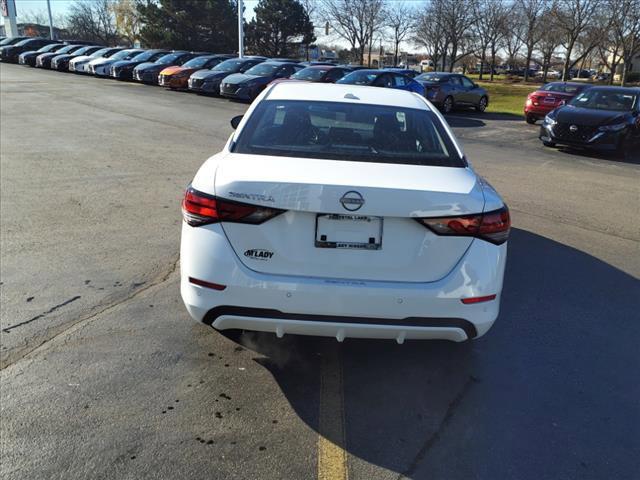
491, 226
472, 300
199, 208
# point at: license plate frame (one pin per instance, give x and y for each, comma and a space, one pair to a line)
372, 232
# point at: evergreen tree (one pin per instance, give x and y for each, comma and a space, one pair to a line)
276, 26
201, 25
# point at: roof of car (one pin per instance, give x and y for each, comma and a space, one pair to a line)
321, 67
346, 94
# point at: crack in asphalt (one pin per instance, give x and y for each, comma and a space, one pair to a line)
433, 439
44, 314
83, 320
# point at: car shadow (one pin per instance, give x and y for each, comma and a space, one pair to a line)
593, 154
549, 392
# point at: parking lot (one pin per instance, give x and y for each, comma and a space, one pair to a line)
104, 375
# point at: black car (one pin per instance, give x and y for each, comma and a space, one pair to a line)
10, 53
29, 58
44, 59
123, 70
148, 72
61, 62
11, 40
248, 85
602, 118
208, 81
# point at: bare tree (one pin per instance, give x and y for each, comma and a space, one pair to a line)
127, 19
489, 29
355, 21
549, 43
93, 21
429, 32
400, 21
625, 26
457, 18
39, 17
531, 12
513, 40
574, 19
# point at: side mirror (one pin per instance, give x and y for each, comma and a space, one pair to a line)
235, 121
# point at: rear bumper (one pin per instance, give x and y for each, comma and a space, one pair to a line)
336, 307
537, 112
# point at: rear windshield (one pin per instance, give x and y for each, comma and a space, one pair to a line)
433, 77
347, 131
596, 99
311, 74
562, 87
359, 78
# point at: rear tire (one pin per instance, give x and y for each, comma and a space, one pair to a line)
530, 119
482, 105
447, 105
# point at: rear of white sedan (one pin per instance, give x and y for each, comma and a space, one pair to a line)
343, 211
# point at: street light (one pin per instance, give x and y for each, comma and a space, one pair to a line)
50, 20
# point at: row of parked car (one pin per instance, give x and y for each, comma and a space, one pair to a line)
233, 77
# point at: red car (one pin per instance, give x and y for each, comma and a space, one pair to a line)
550, 97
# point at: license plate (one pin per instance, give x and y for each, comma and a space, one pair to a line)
359, 232
549, 100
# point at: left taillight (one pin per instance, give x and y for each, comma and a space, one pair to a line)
199, 208
491, 226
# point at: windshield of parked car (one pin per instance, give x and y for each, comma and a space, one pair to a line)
232, 65
144, 56
197, 62
67, 49
7, 41
310, 74
84, 50
125, 54
561, 88
101, 52
359, 77
433, 77
169, 58
347, 131
596, 99
24, 42
264, 69
49, 48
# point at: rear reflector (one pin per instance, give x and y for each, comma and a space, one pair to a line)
199, 208
472, 300
202, 283
490, 226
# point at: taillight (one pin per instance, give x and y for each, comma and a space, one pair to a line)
200, 208
491, 226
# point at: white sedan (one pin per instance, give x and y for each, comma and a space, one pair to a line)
80, 63
343, 211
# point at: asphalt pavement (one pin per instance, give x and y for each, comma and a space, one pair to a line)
104, 375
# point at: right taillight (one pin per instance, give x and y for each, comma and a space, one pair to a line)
490, 226
199, 208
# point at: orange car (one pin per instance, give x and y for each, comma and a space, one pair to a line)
177, 77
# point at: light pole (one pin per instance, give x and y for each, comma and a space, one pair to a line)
50, 19
240, 29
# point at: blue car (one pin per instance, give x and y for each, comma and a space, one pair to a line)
383, 78
405, 71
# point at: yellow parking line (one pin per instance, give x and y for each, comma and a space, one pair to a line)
332, 457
